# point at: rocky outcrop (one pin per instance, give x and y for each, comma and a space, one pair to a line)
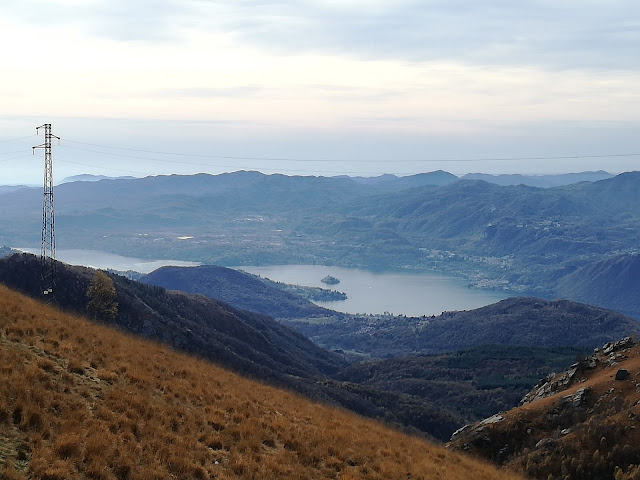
609, 355
586, 429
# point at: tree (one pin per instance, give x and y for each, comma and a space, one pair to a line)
102, 294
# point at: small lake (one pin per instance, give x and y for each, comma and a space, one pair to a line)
397, 293
104, 260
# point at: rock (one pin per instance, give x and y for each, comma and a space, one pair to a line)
480, 438
622, 374
611, 347
579, 398
493, 419
477, 434
546, 443
551, 385
460, 431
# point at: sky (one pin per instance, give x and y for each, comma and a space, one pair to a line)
316, 87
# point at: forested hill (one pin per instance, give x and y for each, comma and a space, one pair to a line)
610, 282
530, 322
240, 289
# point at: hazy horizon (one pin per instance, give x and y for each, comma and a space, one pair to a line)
78, 177
320, 87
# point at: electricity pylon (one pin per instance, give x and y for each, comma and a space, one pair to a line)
48, 250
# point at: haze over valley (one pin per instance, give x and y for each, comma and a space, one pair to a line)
517, 240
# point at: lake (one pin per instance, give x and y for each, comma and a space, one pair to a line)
397, 293
106, 261
368, 292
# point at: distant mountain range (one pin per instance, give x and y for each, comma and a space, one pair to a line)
541, 181
398, 182
12, 188
92, 178
521, 239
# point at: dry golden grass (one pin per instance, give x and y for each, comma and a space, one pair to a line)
82, 401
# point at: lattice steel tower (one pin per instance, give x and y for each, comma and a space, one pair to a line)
48, 251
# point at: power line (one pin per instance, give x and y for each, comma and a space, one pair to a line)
15, 139
102, 167
175, 162
14, 158
290, 170
12, 153
330, 160
281, 159
48, 250
224, 157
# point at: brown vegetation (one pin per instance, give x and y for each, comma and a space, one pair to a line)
82, 401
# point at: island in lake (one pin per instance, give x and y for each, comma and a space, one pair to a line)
330, 280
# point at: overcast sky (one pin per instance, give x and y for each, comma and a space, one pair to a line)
320, 87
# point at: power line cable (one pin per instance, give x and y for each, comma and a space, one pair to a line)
224, 157
12, 153
102, 167
15, 158
267, 169
425, 160
300, 170
15, 139
210, 165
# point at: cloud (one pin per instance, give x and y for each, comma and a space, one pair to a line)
121, 20
209, 92
568, 34
593, 34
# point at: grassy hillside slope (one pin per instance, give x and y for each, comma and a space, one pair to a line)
84, 401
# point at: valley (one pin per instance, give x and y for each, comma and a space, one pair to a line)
518, 239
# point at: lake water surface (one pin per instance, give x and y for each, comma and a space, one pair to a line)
106, 260
397, 293
368, 292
